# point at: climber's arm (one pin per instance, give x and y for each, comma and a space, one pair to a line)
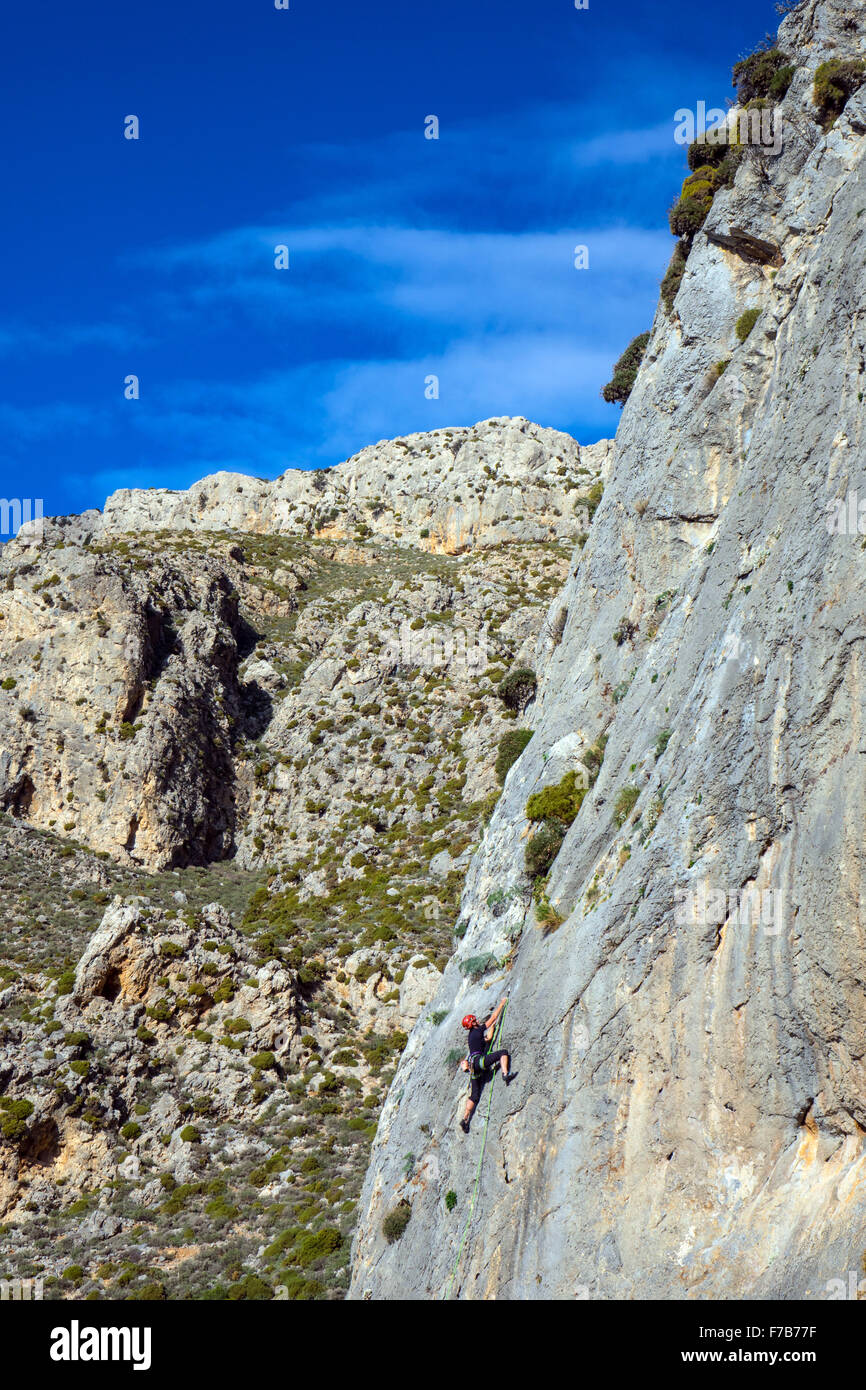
490, 1023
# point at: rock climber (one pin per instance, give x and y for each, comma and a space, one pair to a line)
481, 1064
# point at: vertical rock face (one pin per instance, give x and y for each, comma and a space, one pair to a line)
689, 1114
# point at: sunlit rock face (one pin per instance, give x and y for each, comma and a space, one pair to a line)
689, 1114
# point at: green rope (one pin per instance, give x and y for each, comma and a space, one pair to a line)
493, 1042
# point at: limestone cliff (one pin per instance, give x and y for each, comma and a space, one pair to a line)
689, 1021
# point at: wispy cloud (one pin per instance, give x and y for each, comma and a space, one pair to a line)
62, 338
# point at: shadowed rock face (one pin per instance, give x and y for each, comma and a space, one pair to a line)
689, 1116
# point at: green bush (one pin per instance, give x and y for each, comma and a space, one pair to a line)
699, 186
131, 1130
66, 982
473, 967
264, 1061
190, 1134
619, 388
13, 1113
316, 1245
161, 1011
543, 847
835, 82
687, 216
511, 745
765, 73
625, 803
702, 154
662, 742
560, 803
450, 1200
746, 322
518, 688
396, 1222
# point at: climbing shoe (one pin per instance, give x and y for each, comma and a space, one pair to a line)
510, 1077
464, 1125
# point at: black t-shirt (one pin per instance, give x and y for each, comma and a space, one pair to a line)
477, 1040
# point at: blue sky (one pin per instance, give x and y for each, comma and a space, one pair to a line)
408, 257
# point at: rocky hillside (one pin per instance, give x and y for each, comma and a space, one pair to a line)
242, 773
686, 1009
448, 490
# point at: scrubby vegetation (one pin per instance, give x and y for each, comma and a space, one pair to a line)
395, 1223
765, 74
543, 847
836, 81
560, 802
746, 322
625, 802
511, 745
518, 689
625, 371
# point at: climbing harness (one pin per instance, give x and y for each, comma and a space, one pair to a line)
491, 1048
475, 1060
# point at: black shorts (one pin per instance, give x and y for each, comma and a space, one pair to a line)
489, 1064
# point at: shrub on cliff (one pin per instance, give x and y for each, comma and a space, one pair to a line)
746, 322
765, 73
593, 758
619, 388
625, 803
702, 154
560, 802
689, 214
517, 689
13, 1114
674, 276
396, 1222
511, 745
543, 847
475, 966
836, 81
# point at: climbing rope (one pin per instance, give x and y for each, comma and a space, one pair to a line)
491, 1048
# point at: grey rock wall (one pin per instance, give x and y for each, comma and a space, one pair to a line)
689, 1116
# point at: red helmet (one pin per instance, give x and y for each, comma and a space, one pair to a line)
470, 1021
